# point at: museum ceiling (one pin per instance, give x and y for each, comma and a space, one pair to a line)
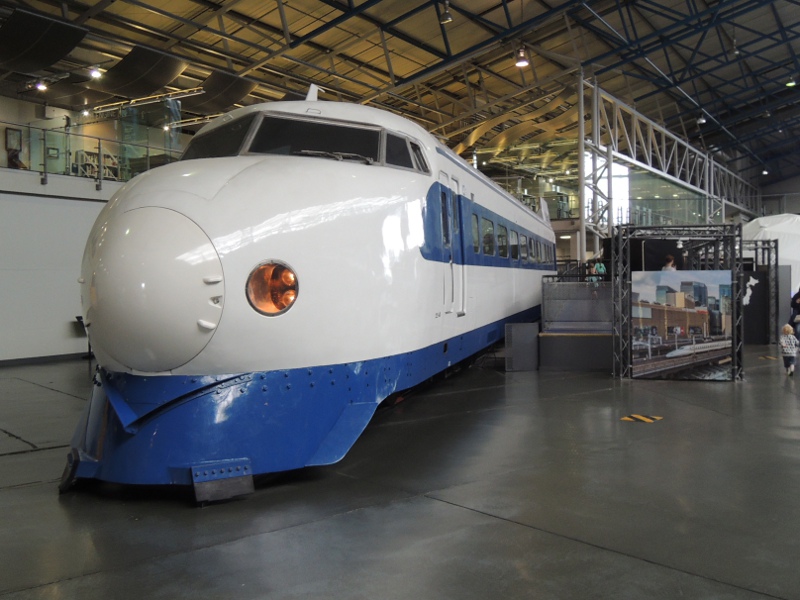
714, 73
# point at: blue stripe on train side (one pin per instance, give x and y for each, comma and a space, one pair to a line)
433, 248
272, 420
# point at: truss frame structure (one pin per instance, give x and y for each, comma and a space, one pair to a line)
620, 134
707, 247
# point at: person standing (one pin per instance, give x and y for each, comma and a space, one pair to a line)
600, 269
669, 263
794, 318
788, 343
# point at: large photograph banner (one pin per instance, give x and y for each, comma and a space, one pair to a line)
682, 324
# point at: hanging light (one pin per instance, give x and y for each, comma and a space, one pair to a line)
791, 82
701, 120
95, 73
41, 86
446, 16
765, 172
522, 59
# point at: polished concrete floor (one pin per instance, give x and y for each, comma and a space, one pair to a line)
485, 485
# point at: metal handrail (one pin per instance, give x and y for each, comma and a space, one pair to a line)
78, 155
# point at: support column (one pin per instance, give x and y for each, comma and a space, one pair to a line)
581, 170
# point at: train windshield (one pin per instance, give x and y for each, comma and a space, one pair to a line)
278, 135
225, 140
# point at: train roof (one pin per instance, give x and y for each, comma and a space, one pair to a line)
366, 115
356, 113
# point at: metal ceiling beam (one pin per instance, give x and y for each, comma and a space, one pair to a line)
640, 54
682, 28
481, 47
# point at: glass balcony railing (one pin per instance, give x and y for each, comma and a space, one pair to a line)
62, 152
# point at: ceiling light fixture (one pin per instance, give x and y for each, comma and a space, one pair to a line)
765, 172
41, 86
446, 16
522, 59
791, 82
701, 120
85, 112
95, 73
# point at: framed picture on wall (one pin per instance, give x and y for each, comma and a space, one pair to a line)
13, 139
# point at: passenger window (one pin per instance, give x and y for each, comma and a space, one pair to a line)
476, 236
502, 241
445, 220
531, 256
487, 231
397, 152
523, 247
419, 158
456, 226
514, 245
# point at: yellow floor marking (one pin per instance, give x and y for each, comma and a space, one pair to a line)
641, 418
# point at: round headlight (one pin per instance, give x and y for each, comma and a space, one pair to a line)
272, 288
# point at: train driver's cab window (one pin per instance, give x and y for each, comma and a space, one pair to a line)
523, 247
487, 233
502, 241
397, 152
514, 245
224, 140
419, 158
300, 137
476, 236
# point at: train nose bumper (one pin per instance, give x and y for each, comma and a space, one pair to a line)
153, 289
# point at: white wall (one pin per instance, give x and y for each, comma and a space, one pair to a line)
43, 230
782, 198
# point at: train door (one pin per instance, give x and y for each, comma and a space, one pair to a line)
458, 266
447, 242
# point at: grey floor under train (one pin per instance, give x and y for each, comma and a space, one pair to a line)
485, 485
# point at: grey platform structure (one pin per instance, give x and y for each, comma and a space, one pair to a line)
488, 484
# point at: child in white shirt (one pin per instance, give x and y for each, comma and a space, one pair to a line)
788, 344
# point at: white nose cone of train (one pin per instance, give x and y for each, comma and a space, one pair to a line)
153, 289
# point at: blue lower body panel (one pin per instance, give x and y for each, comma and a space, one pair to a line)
187, 429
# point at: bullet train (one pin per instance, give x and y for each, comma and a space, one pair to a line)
251, 304
699, 348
